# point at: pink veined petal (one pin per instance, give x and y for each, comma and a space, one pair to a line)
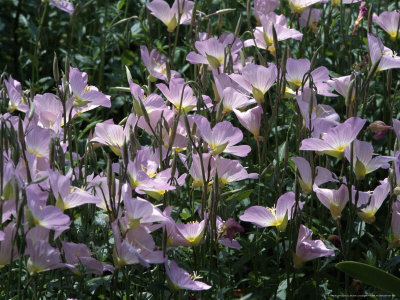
323, 176
304, 169
240, 151
259, 216
380, 193
296, 68
314, 144
284, 33
285, 204
161, 10
396, 219
77, 80
242, 81
250, 119
204, 127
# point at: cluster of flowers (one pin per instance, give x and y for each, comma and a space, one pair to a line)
36, 190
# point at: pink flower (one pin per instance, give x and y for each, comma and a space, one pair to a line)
263, 7
396, 224
388, 21
363, 163
296, 70
232, 100
192, 232
170, 16
85, 97
139, 211
322, 175
369, 203
266, 216
341, 85
49, 216
308, 249
196, 171
298, 6
231, 170
6, 248
312, 16
377, 50
336, 140
63, 5
67, 196
334, 200
80, 254
180, 279
251, 119
212, 51
264, 35
256, 79
42, 257
110, 134
15, 96
222, 138
49, 110
137, 247
173, 93
156, 64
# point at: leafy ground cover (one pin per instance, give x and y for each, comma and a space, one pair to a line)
199, 149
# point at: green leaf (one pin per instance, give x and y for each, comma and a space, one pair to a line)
185, 214
371, 275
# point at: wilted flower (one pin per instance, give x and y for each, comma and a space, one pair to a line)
308, 249
379, 128
363, 12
